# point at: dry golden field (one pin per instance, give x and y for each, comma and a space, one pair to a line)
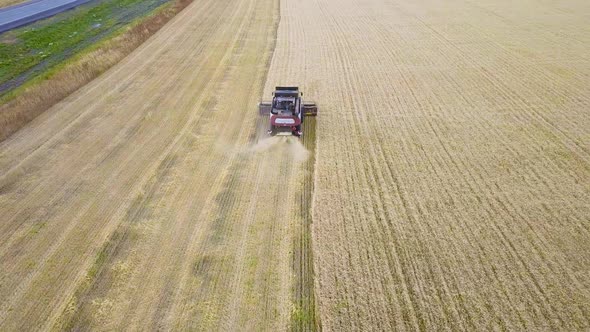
452, 182
145, 200
445, 184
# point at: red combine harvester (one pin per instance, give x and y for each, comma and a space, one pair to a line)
287, 111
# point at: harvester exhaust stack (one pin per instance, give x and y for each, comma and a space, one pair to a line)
287, 110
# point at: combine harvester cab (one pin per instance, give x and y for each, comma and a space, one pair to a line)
287, 111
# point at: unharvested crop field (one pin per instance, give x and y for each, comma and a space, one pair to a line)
444, 186
452, 182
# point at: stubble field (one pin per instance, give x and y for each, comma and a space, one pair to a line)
444, 185
147, 200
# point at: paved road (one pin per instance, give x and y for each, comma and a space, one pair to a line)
25, 13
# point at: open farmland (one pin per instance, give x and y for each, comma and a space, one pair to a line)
452, 186
445, 184
146, 201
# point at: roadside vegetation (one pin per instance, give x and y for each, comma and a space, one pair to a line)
43, 63
6, 3
137, 205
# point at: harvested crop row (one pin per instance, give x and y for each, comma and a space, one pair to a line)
453, 163
144, 200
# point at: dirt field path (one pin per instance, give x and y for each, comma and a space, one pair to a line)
453, 160
145, 200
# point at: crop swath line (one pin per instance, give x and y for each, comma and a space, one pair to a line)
304, 317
